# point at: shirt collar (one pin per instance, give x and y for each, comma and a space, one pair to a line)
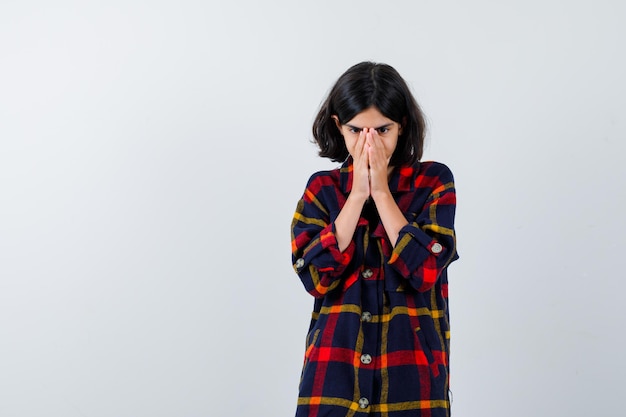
402, 178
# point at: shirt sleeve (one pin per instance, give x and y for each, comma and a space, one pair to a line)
316, 256
427, 245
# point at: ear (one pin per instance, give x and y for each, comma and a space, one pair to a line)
336, 119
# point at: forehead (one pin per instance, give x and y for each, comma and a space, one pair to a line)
370, 117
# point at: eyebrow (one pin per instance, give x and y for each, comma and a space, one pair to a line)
376, 128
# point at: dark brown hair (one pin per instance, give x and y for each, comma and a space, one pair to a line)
366, 85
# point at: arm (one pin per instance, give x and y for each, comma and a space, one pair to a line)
424, 246
427, 244
316, 255
322, 247
360, 191
390, 214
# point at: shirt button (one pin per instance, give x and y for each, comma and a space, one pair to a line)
367, 273
436, 248
363, 402
366, 316
299, 263
366, 359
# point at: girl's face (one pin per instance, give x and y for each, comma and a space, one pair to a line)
387, 129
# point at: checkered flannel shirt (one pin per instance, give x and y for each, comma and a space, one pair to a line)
378, 343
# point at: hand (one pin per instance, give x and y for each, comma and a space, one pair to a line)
378, 163
360, 173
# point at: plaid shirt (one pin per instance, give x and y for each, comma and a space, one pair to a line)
378, 343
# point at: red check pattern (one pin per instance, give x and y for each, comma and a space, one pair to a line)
378, 343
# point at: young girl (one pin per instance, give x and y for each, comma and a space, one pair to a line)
371, 241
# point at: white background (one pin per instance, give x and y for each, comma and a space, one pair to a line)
152, 153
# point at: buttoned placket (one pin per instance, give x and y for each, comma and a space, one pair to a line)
371, 310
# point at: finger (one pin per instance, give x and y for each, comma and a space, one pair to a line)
360, 143
370, 136
365, 153
357, 145
362, 138
375, 143
374, 158
376, 140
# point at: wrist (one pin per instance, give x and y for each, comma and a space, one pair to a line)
358, 197
379, 195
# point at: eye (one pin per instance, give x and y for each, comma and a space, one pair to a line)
383, 129
354, 130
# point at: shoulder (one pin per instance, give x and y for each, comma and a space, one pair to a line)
324, 178
323, 187
434, 177
436, 170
